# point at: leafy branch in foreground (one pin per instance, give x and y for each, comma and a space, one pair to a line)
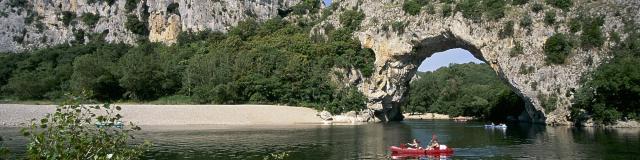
70, 133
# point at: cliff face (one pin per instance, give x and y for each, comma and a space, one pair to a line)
402, 41
28, 24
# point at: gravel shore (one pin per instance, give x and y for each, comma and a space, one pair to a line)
16, 114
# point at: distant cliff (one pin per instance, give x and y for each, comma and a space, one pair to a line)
28, 24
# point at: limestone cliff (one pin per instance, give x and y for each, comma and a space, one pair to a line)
402, 41
28, 24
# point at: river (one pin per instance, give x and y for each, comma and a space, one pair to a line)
470, 140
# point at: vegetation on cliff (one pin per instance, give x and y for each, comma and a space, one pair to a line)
463, 90
274, 62
611, 92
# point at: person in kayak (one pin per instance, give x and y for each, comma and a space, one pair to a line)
434, 143
414, 144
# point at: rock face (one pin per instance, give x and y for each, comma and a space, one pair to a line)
401, 42
26, 24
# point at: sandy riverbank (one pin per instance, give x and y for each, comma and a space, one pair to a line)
15, 114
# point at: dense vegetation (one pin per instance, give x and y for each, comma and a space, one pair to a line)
557, 48
274, 62
611, 92
463, 89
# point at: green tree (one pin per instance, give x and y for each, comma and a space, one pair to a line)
557, 48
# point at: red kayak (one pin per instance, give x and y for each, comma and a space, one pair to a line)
443, 150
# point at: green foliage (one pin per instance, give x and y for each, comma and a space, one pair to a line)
173, 8
245, 29
130, 5
347, 99
460, 89
306, 7
413, 7
557, 48
95, 74
470, 9
136, 26
549, 102
274, 62
519, 2
351, 19
575, 25
67, 17
562, 4
507, 31
90, 19
44, 73
17, 3
399, 26
537, 7
526, 21
611, 91
516, 50
526, 70
549, 18
591, 33
494, 9
446, 10
70, 133
109, 2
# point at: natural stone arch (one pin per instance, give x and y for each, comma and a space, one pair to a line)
400, 51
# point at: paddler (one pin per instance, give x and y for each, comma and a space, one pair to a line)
434, 143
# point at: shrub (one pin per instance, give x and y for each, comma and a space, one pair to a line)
516, 50
90, 19
526, 70
413, 7
591, 33
399, 26
549, 102
526, 21
130, 5
537, 7
507, 30
351, 19
306, 6
70, 133
557, 48
575, 25
470, 9
562, 4
549, 18
519, 2
136, 26
446, 10
67, 17
494, 9
173, 8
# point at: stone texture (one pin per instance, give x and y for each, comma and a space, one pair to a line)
194, 15
398, 54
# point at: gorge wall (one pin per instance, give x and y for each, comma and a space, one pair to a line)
26, 24
402, 41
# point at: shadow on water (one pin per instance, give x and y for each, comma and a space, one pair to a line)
371, 141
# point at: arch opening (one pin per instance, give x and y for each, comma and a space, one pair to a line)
456, 82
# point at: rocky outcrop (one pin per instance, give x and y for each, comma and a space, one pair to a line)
26, 24
402, 41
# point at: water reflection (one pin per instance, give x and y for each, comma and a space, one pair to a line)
371, 141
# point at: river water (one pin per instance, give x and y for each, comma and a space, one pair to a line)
470, 140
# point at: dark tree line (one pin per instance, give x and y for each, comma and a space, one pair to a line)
463, 90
